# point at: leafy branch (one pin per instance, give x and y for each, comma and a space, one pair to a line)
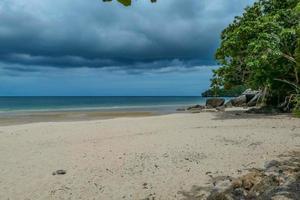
126, 2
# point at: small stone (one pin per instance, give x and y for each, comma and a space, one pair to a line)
237, 183
59, 172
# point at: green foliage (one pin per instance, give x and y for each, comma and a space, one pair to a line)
297, 52
126, 2
297, 57
260, 48
296, 110
221, 92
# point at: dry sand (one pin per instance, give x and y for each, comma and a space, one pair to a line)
157, 157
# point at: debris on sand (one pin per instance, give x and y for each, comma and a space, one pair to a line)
59, 172
278, 180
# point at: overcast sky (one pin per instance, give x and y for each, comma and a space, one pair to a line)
76, 47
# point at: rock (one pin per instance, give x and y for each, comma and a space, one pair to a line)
180, 109
238, 193
264, 110
195, 110
239, 101
228, 104
237, 183
196, 107
221, 108
247, 181
278, 180
218, 196
214, 102
251, 179
248, 98
272, 164
59, 172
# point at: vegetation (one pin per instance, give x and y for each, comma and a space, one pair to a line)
221, 92
297, 56
126, 2
260, 50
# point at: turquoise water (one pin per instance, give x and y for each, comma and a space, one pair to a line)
15, 104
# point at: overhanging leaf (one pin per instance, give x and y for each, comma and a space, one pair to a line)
125, 2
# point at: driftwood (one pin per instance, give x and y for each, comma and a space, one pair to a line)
288, 104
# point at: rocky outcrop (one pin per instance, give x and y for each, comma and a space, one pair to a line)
214, 102
248, 98
239, 101
228, 104
180, 109
196, 107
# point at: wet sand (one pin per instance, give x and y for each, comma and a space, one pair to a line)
66, 116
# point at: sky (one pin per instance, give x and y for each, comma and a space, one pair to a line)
92, 48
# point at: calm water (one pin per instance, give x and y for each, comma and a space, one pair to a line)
15, 104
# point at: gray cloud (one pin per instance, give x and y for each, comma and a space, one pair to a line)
93, 34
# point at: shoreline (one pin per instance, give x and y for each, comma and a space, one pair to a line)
31, 117
163, 156
19, 118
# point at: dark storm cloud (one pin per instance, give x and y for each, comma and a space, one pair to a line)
76, 33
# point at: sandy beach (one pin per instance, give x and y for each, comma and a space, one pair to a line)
154, 157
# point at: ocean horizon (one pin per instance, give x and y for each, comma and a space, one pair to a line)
105, 103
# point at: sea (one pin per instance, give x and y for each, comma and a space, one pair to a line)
113, 103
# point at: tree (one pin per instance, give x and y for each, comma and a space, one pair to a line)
297, 56
126, 2
259, 49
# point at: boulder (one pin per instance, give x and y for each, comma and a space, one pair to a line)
228, 104
214, 102
239, 101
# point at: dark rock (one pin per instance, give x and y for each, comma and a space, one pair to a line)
239, 101
196, 107
218, 196
238, 193
221, 108
180, 109
272, 163
214, 102
248, 98
228, 104
195, 110
59, 172
264, 110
